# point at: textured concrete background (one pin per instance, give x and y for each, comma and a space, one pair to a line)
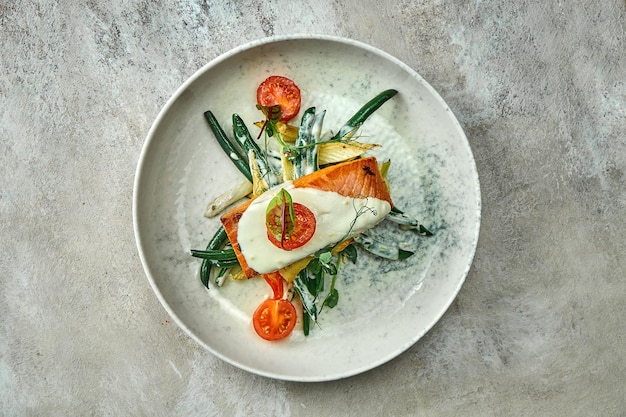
538, 328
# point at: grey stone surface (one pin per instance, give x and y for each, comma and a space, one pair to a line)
538, 328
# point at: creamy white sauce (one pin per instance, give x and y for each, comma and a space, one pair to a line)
337, 217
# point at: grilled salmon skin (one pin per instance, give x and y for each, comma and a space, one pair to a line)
360, 178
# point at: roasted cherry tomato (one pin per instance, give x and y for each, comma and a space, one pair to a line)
303, 230
278, 90
274, 319
275, 281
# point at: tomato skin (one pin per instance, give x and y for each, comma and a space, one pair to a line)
279, 90
275, 281
304, 230
274, 319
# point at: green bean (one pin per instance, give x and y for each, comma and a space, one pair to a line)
348, 129
223, 263
316, 132
236, 156
407, 222
242, 134
221, 276
205, 272
399, 217
306, 323
384, 250
303, 142
228, 263
308, 300
217, 257
214, 254
219, 238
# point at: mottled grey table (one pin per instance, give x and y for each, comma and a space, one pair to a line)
538, 328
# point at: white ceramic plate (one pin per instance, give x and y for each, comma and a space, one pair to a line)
384, 306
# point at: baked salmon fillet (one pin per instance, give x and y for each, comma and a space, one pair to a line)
357, 179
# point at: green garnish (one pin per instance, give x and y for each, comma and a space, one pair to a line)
280, 219
272, 116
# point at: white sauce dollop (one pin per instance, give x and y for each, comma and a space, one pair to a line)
337, 217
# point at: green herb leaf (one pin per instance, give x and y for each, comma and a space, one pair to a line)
312, 283
279, 216
314, 266
325, 257
308, 300
319, 280
332, 299
350, 253
330, 269
272, 116
269, 129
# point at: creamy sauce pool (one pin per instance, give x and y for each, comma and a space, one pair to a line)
337, 217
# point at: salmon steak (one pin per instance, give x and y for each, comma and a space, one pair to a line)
345, 199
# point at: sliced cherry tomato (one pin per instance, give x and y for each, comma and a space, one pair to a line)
302, 232
274, 319
275, 281
278, 90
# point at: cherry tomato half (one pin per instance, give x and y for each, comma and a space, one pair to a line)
303, 231
274, 319
282, 91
